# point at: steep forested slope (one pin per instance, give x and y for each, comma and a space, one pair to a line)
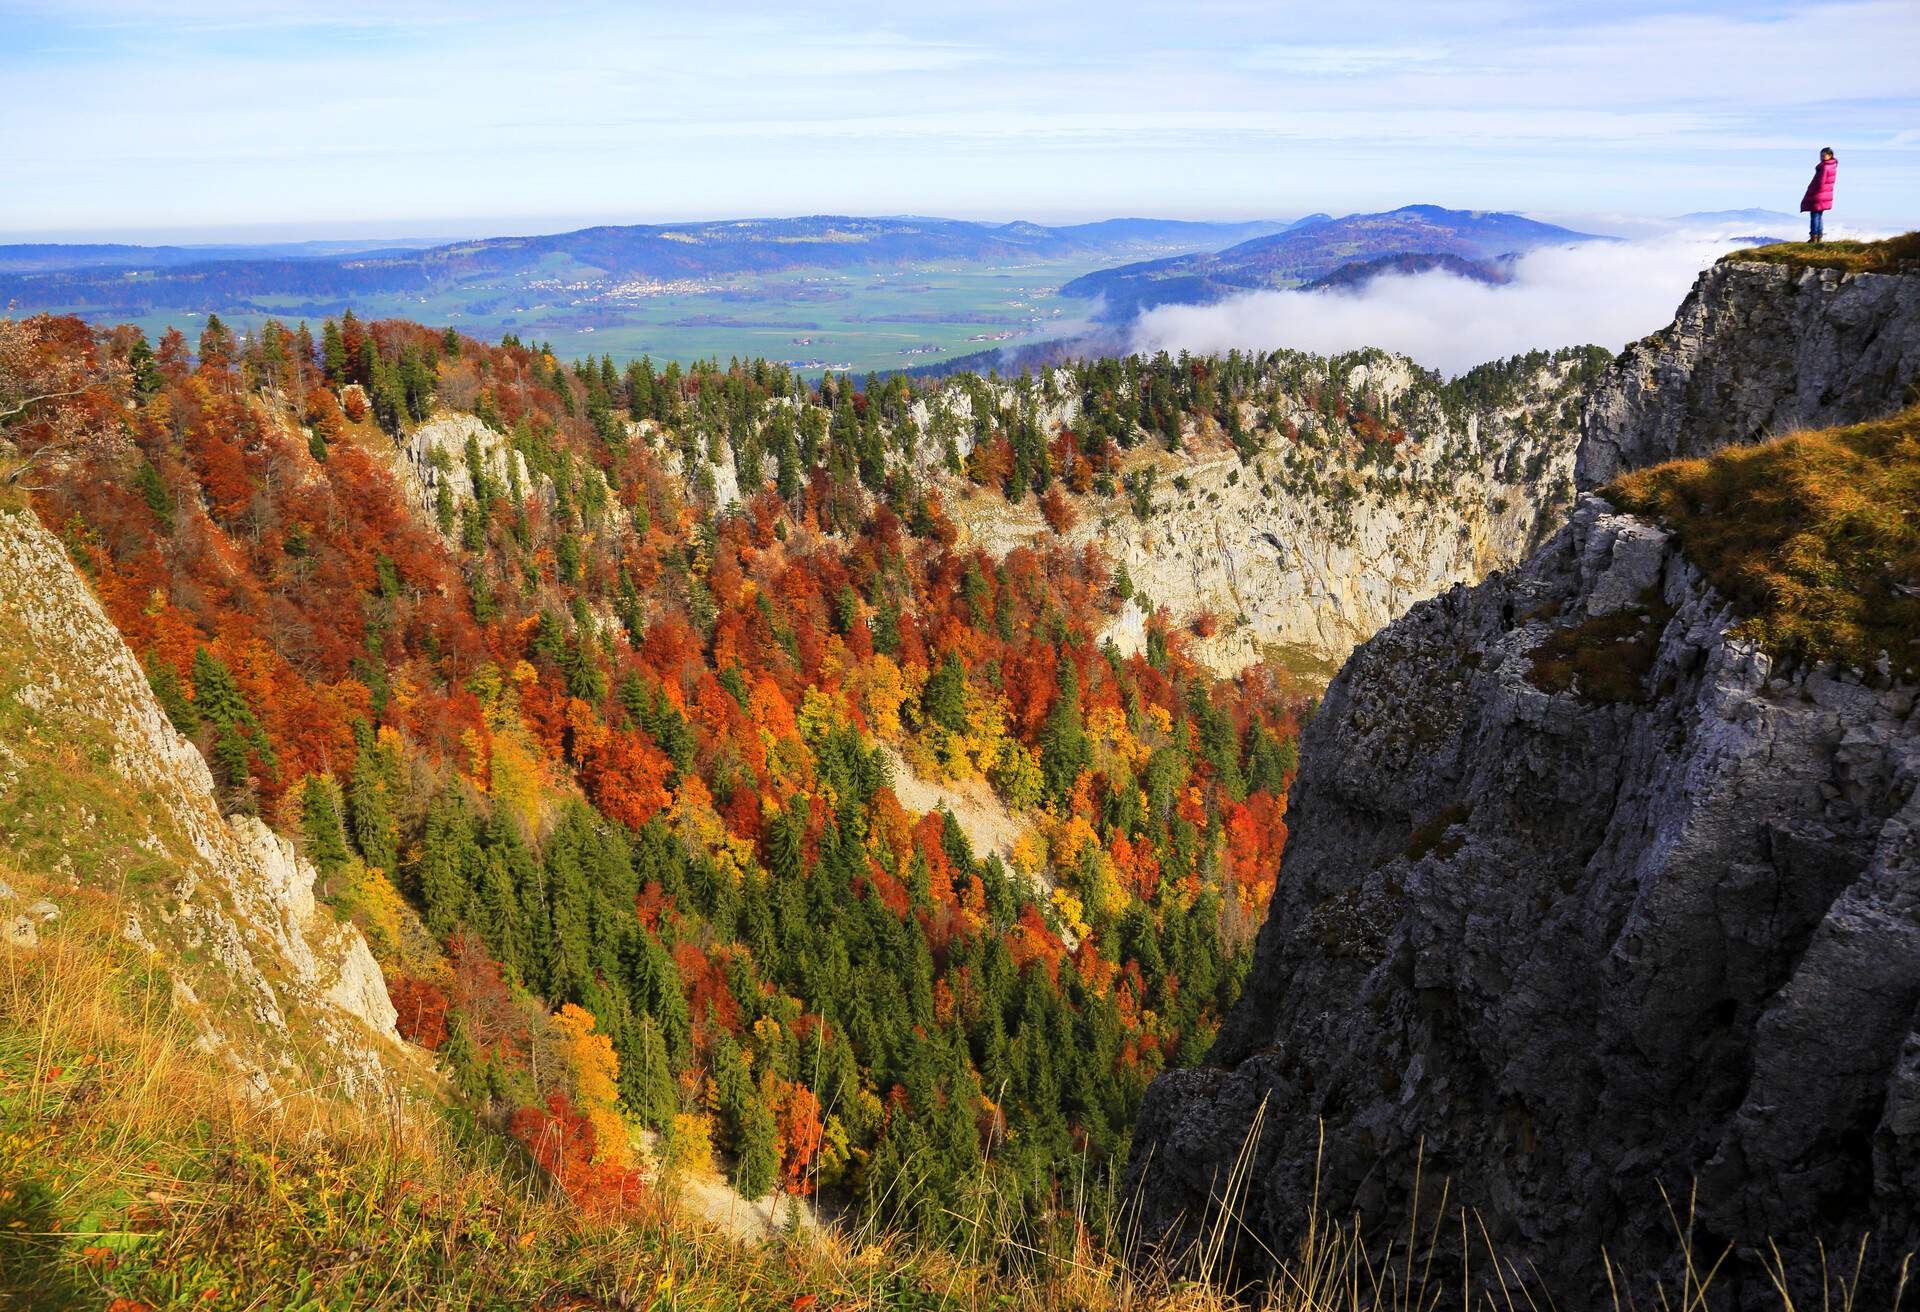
591, 754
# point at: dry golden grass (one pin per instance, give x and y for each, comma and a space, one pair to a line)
1815, 537
1894, 255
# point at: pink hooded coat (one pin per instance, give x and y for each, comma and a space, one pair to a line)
1820, 191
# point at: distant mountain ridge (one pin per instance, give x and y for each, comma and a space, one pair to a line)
56, 257
1306, 253
226, 279
1355, 274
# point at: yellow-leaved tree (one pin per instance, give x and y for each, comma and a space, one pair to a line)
596, 1074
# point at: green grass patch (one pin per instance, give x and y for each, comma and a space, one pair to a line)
1814, 537
1894, 255
1604, 660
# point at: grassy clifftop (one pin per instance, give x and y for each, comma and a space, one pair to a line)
1894, 255
1815, 537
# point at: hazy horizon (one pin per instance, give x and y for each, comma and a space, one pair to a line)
443, 231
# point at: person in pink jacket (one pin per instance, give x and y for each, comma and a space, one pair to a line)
1819, 197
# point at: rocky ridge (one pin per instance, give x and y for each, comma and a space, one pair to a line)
433, 458
1755, 351
1302, 551
1585, 895
100, 796
1305, 550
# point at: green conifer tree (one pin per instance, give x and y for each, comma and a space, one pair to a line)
1064, 749
320, 825
370, 814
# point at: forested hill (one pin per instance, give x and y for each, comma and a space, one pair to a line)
603, 762
1310, 251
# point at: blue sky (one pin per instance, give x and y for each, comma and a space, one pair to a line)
138, 119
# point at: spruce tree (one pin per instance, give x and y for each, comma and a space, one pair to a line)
172, 697
320, 824
236, 735
646, 1076
442, 875
1064, 749
370, 815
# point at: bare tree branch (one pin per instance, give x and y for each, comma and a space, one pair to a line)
32, 400
51, 448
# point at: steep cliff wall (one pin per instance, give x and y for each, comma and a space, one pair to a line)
1756, 350
100, 796
1309, 547
1585, 895
1580, 941
431, 464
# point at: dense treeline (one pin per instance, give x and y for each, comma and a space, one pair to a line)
606, 768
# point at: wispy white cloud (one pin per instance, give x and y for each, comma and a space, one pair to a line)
1338, 61
1607, 293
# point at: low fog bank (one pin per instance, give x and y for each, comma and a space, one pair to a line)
1609, 293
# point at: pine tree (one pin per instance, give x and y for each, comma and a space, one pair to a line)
751, 1130
172, 697
147, 378
333, 354
646, 1076
497, 908
568, 907
943, 697
1064, 749
442, 873
320, 824
237, 739
370, 815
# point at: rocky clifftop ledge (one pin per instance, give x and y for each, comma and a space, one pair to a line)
1756, 350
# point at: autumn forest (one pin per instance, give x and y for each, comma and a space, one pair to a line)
604, 763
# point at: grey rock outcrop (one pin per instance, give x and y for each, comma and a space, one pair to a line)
1755, 350
1579, 942
102, 792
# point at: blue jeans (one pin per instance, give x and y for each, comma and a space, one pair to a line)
1816, 230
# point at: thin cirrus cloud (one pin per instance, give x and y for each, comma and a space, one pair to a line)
126, 113
1339, 61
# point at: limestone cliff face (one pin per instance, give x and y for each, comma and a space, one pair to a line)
1305, 550
1588, 896
1580, 947
99, 791
433, 457
1756, 350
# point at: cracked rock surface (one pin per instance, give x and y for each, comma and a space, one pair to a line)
1756, 350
